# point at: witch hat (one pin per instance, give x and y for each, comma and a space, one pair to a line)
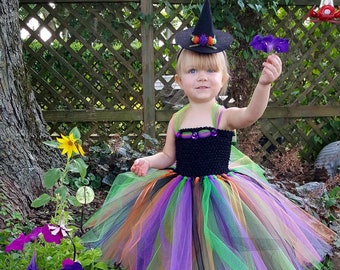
204, 38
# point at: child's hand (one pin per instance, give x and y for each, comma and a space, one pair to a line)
140, 167
272, 69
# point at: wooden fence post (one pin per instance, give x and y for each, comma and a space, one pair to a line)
149, 113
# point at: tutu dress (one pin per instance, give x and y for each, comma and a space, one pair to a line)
213, 210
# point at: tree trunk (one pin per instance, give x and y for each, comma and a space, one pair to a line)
23, 156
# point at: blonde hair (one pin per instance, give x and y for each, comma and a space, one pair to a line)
216, 61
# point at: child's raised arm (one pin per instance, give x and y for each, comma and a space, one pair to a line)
244, 117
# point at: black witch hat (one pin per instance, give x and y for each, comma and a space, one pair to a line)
204, 38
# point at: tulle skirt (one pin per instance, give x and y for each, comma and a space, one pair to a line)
229, 221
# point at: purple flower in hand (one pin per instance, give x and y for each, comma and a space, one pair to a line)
270, 43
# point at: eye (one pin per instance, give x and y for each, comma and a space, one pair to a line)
210, 70
192, 70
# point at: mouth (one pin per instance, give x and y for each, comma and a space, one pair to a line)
202, 87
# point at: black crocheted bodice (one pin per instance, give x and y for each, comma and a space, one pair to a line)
203, 151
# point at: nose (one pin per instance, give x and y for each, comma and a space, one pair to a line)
201, 75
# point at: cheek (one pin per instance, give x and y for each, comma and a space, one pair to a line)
187, 79
220, 80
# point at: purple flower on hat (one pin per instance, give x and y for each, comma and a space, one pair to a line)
270, 43
203, 40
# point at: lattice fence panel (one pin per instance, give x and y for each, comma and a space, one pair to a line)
92, 62
168, 22
310, 78
84, 57
168, 95
313, 63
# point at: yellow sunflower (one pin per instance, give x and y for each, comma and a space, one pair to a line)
69, 145
80, 149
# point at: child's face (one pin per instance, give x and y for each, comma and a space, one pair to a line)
201, 79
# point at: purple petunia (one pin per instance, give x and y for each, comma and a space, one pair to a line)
270, 43
33, 263
54, 233
51, 233
18, 243
69, 264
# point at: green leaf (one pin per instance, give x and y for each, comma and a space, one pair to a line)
41, 200
88, 257
51, 177
85, 195
240, 3
330, 202
334, 192
85, 182
337, 243
79, 166
62, 191
101, 265
53, 144
76, 133
73, 201
246, 55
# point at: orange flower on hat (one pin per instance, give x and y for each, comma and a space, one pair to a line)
195, 39
211, 41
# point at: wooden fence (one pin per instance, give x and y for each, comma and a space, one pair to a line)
108, 66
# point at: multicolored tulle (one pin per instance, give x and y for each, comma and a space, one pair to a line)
225, 221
